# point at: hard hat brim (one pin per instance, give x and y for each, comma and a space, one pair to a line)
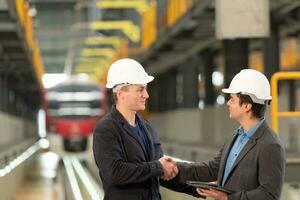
229, 91
252, 96
109, 85
145, 80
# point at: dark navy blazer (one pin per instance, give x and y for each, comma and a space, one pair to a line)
120, 155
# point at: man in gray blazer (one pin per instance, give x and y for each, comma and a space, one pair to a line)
252, 162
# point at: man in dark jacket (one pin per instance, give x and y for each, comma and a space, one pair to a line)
126, 147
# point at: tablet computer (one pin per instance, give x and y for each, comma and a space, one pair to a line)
207, 185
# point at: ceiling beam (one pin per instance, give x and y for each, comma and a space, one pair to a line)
52, 1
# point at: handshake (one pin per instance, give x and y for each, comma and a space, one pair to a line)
170, 168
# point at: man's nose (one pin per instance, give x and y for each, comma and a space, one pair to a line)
228, 103
145, 94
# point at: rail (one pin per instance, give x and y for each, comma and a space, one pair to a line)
72, 179
83, 185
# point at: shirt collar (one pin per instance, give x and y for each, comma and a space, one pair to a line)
252, 130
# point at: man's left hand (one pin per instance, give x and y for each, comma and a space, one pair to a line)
216, 194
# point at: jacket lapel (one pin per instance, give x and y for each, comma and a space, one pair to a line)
135, 136
250, 145
148, 135
117, 115
226, 150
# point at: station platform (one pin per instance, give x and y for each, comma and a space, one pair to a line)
53, 174
42, 179
58, 175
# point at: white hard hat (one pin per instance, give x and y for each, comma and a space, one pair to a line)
250, 82
127, 71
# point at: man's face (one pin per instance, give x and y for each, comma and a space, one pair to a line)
134, 98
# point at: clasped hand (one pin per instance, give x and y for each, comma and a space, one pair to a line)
170, 168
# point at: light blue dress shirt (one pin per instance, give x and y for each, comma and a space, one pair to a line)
241, 140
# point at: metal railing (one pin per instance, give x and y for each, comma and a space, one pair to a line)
19, 153
276, 114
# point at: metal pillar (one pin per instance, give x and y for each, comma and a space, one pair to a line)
236, 57
5, 94
272, 51
207, 58
1, 92
292, 95
171, 90
163, 92
153, 89
190, 84
158, 92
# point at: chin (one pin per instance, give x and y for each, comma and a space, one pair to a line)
140, 108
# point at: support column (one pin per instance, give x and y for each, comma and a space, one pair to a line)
1, 92
190, 83
171, 90
5, 94
207, 58
153, 89
272, 51
236, 57
292, 95
163, 92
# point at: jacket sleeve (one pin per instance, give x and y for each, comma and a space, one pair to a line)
270, 175
109, 157
199, 171
171, 184
193, 172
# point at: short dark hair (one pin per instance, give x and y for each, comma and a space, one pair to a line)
258, 110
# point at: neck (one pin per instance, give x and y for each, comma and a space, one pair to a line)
248, 123
129, 115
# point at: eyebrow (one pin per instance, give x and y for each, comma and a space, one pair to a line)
142, 87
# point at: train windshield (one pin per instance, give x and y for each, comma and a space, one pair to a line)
75, 101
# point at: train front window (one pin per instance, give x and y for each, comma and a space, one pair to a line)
75, 96
74, 101
74, 110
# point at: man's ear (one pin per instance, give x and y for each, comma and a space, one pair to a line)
119, 94
248, 106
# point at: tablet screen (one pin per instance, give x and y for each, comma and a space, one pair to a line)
207, 185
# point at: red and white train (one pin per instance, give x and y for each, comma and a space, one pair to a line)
73, 108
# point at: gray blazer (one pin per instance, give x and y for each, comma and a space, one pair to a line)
258, 171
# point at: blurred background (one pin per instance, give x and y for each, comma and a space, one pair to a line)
54, 56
